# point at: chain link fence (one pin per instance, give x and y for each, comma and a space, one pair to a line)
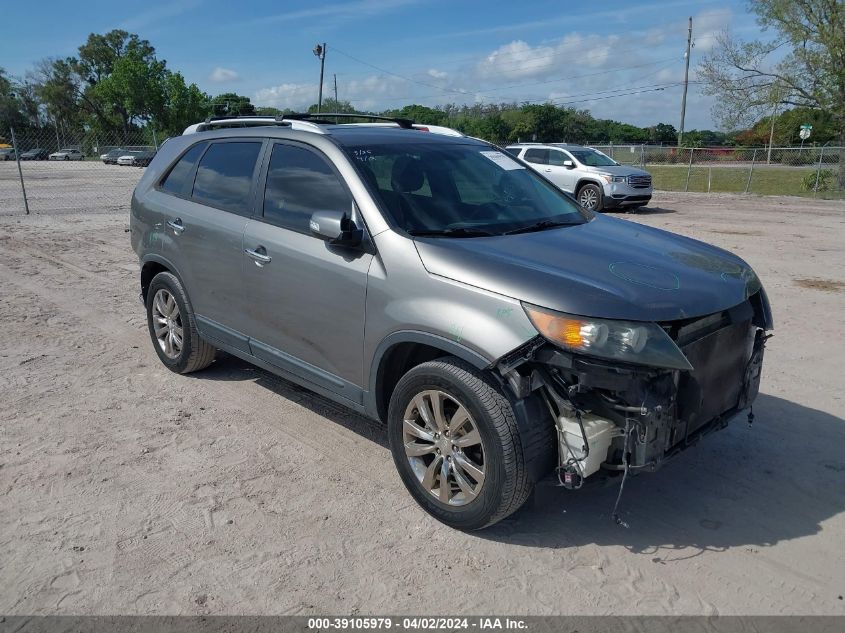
50, 172
785, 171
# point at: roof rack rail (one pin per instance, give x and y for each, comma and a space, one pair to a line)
221, 117
406, 124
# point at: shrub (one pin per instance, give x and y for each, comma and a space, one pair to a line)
820, 182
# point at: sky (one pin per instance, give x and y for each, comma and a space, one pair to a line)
622, 60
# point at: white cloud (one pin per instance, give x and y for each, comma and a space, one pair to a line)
368, 93
519, 60
707, 25
221, 75
437, 74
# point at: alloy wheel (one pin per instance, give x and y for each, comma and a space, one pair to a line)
444, 447
167, 323
588, 198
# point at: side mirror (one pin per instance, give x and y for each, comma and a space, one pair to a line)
569, 164
336, 227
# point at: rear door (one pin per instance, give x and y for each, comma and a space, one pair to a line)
538, 158
211, 190
305, 309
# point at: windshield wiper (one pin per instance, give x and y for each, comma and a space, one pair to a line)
540, 226
455, 232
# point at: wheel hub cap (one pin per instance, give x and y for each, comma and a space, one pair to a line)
444, 447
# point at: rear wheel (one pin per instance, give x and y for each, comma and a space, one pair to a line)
173, 328
590, 196
456, 444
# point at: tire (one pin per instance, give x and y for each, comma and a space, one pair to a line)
506, 483
193, 353
591, 196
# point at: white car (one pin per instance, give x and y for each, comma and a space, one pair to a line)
126, 159
66, 154
597, 181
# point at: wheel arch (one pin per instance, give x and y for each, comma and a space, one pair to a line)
401, 351
152, 265
586, 180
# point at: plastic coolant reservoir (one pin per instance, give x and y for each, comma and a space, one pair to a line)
599, 433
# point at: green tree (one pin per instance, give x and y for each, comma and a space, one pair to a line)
183, 105
663, 133
802, 65
420, 114
233, 104
330, 105
10, 106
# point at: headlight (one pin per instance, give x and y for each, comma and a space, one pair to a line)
612, 178
627, 341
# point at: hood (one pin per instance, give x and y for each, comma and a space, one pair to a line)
607, 268
617, 170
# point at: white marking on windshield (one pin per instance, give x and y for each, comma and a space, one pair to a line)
502, 160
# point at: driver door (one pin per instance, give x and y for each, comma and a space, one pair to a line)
564, 176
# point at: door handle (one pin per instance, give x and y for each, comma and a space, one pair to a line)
176, 225
548, 169
260, 258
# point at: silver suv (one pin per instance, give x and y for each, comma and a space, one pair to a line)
503, 333
597, 181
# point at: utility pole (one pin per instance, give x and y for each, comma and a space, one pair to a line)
320, 51
337, 107
775, 96
686, 84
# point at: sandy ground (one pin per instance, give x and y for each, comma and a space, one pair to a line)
127, 489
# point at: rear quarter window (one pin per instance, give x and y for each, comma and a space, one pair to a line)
177, 179
224, 175
537, 156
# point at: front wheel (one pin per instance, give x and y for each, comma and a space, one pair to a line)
591, 196
456, 445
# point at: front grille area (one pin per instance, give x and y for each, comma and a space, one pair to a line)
714, 386
639, 182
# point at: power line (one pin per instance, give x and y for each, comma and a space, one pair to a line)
466, 92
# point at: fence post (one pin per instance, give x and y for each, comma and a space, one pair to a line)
642, 155
819, 171
20, 172
689, 169
155, 142
750, 171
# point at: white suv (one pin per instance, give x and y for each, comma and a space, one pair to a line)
595, 179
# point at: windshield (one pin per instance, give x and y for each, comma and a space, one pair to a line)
592, 158
465, 190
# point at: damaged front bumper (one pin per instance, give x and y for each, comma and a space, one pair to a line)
612, 416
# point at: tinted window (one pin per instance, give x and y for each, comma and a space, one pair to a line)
299, 182
472, 187
538, 156
513, 151
593, 158
182, 170
224, 175
556, 157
